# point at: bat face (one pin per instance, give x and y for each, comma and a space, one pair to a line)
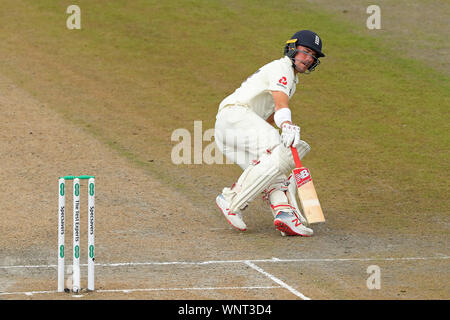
308, 196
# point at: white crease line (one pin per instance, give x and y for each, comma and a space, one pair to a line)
30, 293
27, 293
187, 289
29, 267
131, 264
276, 280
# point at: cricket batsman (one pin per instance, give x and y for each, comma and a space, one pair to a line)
245, 134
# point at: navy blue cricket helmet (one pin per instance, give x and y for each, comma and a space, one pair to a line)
308, 39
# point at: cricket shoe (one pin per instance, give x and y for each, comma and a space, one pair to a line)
234, 218
288, 223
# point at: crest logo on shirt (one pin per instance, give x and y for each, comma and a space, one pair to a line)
283, 81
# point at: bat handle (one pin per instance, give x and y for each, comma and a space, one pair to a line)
298, 163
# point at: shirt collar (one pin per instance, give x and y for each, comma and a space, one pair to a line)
288, 61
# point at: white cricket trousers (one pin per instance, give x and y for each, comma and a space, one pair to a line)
243, 136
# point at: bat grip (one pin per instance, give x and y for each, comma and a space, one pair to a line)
298, 163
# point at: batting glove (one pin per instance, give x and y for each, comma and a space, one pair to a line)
290, 135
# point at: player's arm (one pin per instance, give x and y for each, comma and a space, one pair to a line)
281, 101
290, 134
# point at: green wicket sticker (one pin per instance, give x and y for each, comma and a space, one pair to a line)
77, 189
61, 189
91, 189
77, 252
91, 251
61, 251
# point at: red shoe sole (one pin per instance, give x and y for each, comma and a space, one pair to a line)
281, 226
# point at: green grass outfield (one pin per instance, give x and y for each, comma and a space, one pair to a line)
137, 70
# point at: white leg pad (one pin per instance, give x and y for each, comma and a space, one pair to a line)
291, 195
258, 177
302, 150
282, 197
277, 196
254, 181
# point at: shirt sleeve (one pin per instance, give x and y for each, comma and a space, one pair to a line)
280, 79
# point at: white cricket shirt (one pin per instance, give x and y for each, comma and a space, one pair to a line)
254, 92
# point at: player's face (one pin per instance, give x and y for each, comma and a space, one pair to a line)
304, 59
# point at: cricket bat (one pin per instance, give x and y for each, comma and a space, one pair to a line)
306, 191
